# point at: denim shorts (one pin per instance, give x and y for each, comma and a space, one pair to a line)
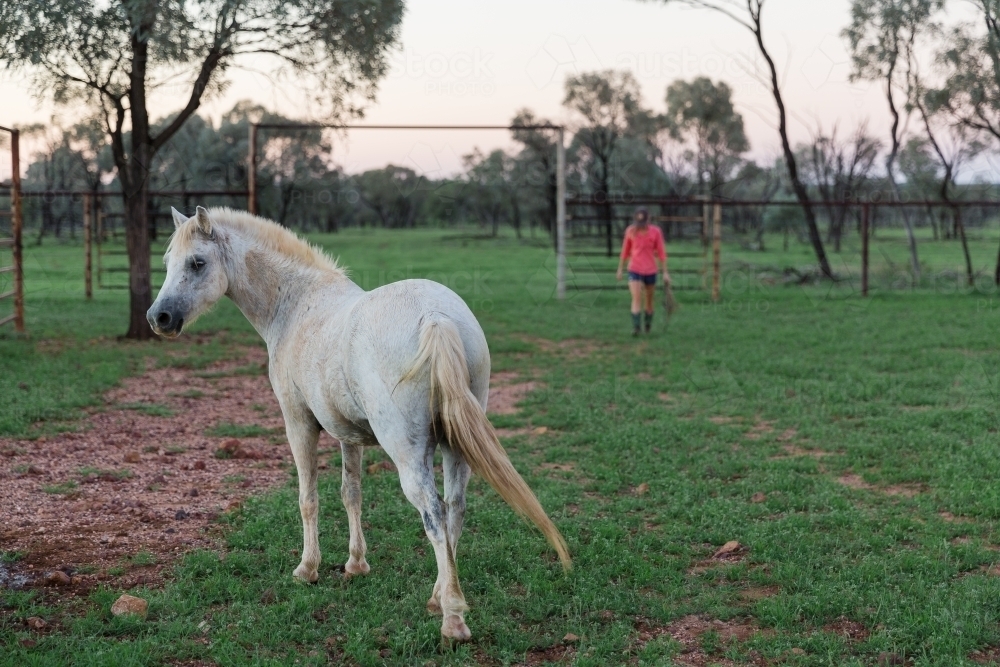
642, 278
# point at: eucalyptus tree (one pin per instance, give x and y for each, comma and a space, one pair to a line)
700, 113
607, 106
882, 35
749, 15
971, 56
114, 55
538, 158
839, 167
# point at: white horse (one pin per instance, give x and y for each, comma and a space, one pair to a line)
404, 366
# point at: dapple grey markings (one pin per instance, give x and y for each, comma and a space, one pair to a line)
405, 366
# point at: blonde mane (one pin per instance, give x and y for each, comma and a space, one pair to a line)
266, 233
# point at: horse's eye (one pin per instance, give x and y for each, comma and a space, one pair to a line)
197, 264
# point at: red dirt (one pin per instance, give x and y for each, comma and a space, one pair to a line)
687, 632
127, 477
505, 393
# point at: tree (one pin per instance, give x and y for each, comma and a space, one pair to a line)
394, 194
749, 14
971, 93
701, 114
837, 168
608, 107
113, 55
882, 34
538, 158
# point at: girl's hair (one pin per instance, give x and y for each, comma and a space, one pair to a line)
642, 211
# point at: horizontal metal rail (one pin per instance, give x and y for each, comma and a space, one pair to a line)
6, 294
5, 320
7, 269
6, 243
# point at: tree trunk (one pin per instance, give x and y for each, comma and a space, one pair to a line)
793, 171
136, 207
965, 245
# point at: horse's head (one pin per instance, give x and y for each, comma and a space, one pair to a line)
196, 277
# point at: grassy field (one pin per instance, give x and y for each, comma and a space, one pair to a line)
851, 447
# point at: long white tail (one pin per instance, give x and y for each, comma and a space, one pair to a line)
467, 429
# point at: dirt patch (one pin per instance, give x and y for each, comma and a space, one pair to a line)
759, 430
135, 487
551, 655
573, 348
730, 552
688, 632
853, 481
948, 517
506, 392
850, 630
755, 593
986, 656
794, 451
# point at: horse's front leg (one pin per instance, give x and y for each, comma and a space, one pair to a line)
350, 493
303, 435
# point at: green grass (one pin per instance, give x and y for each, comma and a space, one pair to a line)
62, 488
152, 409
229, 430
901, 390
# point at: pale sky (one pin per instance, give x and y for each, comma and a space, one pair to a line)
468, 62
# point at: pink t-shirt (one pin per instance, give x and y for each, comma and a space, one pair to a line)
642, 248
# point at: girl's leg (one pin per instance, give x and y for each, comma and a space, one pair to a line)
635, 287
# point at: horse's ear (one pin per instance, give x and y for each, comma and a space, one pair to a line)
204, 224
179, 218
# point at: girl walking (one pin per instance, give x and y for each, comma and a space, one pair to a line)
644, 249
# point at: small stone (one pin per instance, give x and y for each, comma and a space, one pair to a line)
57, 578
798, 651
379, 466
29, 643
541, 430
23, 387
641, 489
34, 470
181, 515
128, 604
728, 548
570, 638
193, 493
199, 465
758, 497
204, 627
268, 596
132, 457
159, 479
36, 623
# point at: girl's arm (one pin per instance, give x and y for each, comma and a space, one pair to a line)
626, 250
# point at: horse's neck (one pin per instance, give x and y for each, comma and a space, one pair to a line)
268, 288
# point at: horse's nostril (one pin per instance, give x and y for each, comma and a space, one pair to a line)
163, 319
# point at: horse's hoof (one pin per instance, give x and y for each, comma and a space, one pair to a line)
455, 629
305, 575
355, 568
433, 606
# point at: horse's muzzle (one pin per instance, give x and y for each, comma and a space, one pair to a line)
165, 321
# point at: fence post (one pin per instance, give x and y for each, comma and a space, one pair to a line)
716, 252
252, 171
864, 249
88, 287
17, 224
560, 215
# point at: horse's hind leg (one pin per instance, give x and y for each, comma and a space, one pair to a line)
456, 479
303, 434
350, 492
417, 480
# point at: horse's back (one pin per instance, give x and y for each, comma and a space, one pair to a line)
387, 321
